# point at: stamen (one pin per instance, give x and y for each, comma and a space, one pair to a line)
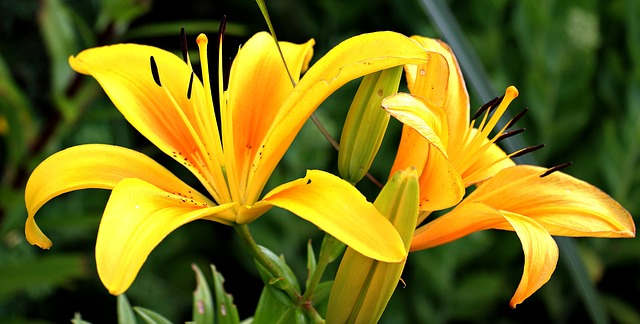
154, 71
190, 86
516, 118
526, 150
221, 30
555, 168
485, 107
509, 134
183, 45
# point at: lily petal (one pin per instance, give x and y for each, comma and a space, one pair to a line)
342, 211
421, 147
457, 102
137, 217
92, 166
564, 205
353, 58
258, 85
540, 250
181, 127
540, 255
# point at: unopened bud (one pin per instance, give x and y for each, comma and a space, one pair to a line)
363, 286
366, 124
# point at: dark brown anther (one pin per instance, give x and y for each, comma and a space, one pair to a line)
183, 45
190, 86
509, 134
555, 168
517, 117
526, 150
154, 71
221, 30
489, 105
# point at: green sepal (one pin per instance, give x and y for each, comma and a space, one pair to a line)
203, 311
366, 124
286, 280
311, 263
125, 312
363, 286
226, 311
152, 317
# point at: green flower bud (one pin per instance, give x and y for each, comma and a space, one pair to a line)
363, 286
366, 124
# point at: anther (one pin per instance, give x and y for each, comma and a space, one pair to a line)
555, 168
509, 134
221, 30
183, 45
526, 150
484, 108
154, 71
190, 86
517, 117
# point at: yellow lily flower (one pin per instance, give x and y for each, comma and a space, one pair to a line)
532, 201
261, 112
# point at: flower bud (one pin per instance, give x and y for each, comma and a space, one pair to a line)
366, 124
363, 286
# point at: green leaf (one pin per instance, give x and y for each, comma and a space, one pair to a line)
152, 317
270, 308
226, 311
287, 279
58, 268
125, 312
203, 311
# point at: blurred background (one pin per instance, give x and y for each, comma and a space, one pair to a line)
576, 64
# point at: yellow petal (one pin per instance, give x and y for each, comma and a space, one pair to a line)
339, 209
137, 217
92, 166
540, 250
457, 102
353, 58
181, 127
540, 255
258, 85
564, 205
440, 183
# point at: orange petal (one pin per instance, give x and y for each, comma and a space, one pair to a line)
564, 205
540, 255
92, 166
138, 216
457, 102
440, 183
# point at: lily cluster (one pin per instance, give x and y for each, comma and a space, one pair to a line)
271, 92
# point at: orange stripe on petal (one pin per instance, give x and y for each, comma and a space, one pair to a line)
138, 216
